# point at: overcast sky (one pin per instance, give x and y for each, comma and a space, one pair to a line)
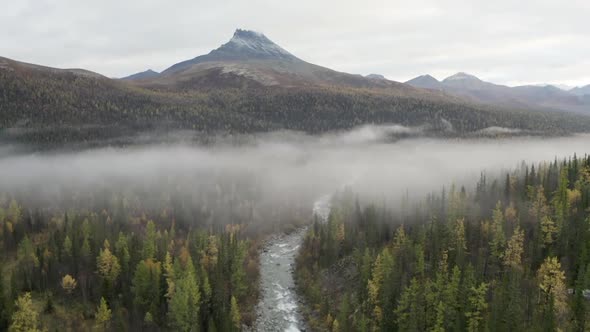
503, 41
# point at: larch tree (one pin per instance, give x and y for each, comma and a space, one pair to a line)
515, 249
236, 317
68, 283
25, 318
552, 285
108, 267
103, 315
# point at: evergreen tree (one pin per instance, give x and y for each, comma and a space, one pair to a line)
476, 310
146, 286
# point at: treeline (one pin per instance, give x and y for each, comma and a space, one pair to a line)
67, 106
511, 255
127, 261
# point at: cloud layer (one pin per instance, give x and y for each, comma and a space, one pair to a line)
283, 167
505, 41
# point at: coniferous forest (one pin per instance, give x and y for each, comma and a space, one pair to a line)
131, 259
510, 255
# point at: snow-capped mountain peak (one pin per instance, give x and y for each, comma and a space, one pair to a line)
252, 44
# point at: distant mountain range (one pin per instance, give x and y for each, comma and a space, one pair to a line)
536, 97
251, 84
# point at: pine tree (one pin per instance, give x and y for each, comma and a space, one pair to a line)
67, 249
440, 318
28, 261
183, 308
122, 252
477, 308
149, 243
451, 296
410, 309
146, 286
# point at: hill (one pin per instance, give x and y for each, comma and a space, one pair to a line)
141, 75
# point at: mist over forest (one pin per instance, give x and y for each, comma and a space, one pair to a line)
370, 160
158, 178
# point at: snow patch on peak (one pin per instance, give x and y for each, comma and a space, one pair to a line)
258, 43
240, 33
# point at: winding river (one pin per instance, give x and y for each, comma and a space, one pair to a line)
278, 309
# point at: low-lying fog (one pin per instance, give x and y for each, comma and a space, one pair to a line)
284, 165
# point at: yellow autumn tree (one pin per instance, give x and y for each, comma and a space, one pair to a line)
108, 265
25, 318
68, 283
514, 249
103, 315
552, 285
549, 231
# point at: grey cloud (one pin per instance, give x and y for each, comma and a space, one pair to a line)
504, 41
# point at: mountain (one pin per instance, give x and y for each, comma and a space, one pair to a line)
534, 97
245, 45
425, 82
466, 81
581, 91
249, 84
250, 59
141, 75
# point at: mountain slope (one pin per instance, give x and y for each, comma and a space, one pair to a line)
546, 97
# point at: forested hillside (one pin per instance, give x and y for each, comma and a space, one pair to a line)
511, 255
39, 104
127, 258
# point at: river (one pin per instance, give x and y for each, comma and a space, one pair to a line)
278, 309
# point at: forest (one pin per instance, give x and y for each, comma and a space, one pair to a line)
128, 258
512, 254
51, 106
